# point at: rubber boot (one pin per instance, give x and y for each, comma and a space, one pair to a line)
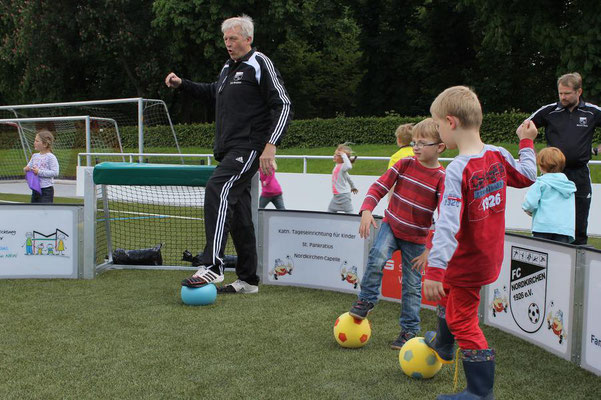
442, 342
479, 368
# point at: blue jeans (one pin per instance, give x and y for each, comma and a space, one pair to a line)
384, 245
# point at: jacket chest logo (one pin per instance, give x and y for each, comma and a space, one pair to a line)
237, 78
582, 121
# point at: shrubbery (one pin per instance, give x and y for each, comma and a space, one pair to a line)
496, 128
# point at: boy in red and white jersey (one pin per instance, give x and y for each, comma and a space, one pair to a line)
467, 247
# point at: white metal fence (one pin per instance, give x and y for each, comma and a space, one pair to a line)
209, 157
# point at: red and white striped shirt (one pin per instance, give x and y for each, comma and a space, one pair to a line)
414, 199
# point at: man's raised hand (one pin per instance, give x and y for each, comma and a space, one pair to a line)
172, 80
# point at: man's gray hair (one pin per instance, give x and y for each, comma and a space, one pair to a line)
244, 22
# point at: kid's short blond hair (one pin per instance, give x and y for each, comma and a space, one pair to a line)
427, 129
551, 159
460, 102
403, 133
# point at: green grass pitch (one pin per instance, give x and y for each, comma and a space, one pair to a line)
126, 335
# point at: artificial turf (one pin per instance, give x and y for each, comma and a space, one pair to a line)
126, 335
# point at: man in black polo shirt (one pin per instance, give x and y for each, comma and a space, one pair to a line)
569, 125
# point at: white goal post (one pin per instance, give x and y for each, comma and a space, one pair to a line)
129, 112
17, 136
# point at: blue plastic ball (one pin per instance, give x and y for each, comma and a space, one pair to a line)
199, 296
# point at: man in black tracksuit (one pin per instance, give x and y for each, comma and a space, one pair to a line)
570, 125
252, 113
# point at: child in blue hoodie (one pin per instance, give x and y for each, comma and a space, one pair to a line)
550, 200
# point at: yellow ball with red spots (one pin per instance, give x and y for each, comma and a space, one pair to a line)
351, 332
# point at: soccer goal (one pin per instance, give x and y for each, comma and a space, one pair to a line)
95, 134
145, 124
135, 206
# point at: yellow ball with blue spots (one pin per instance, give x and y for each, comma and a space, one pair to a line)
418, 360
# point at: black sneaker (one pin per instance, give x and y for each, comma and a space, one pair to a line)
361, 309
401, 340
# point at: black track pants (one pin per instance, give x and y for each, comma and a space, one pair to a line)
582, 178
228, 207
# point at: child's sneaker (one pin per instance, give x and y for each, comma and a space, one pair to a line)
401, 340
361, 309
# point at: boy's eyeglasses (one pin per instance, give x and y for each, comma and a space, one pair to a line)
420, 145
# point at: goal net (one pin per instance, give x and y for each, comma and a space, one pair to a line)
145, 124
70, 134
142, 206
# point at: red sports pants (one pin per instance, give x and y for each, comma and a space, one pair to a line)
461, 305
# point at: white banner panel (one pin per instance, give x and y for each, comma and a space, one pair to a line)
39, 241
313, 249
295, 187
533, 296
591, 332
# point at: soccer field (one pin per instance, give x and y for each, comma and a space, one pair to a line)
126, 335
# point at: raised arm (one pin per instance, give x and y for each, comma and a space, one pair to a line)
523, 173
203, 91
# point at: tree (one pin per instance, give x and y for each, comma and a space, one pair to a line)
316, 56
525, 46
60, 51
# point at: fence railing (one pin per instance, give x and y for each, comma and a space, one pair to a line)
209, 157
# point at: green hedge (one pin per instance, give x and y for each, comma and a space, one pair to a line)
496, 128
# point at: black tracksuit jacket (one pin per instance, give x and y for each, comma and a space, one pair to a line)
252, 105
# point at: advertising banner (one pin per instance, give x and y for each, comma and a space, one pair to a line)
392, 281
39, 241
324, 251
591, 332
533, 296
311, 249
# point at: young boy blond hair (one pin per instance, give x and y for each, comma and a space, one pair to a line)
404, 136
416, 183
467, 247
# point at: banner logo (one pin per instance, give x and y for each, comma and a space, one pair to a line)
528, 288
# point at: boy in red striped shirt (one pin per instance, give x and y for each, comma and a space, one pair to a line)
418, 183
467, 248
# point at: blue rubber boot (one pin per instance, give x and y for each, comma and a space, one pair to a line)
479, 368
442, 341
